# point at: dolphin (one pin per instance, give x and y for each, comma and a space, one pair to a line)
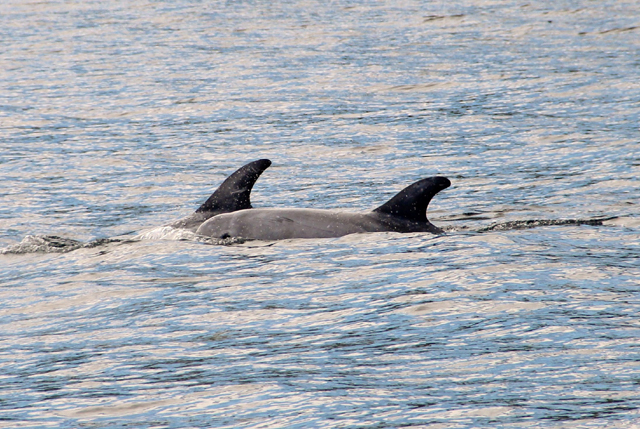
233, 194
405, 212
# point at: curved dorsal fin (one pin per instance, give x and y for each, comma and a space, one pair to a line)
411, 203
235, 192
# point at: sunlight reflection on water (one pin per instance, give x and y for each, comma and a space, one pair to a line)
120, 117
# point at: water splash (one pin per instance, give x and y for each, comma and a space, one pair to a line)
43, 244
53, 244
56, 244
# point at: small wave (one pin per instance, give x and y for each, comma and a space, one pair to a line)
177, 234
54, 244
43, 244
166, 233
525, 224
225, 241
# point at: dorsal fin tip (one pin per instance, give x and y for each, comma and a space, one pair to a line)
411, 203
235, 192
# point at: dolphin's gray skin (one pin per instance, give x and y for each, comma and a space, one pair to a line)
406, 212
232, 195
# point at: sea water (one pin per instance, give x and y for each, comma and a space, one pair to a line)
119, 117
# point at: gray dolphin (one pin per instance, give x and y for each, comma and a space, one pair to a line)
406, 212
233, 194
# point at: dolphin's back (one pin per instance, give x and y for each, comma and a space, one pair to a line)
280, 224
405, 212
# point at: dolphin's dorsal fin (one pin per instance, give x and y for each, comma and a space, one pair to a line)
235, 192
411, 203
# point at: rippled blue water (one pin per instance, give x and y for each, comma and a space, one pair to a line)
117, 117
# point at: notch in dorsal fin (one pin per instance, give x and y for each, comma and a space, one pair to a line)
235, 192
411, 203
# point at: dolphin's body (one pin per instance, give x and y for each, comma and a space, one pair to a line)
232, 195
406, 212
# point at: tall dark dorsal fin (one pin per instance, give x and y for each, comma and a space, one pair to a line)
411, 203
235, 192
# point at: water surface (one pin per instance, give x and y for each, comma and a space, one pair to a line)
119, 117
